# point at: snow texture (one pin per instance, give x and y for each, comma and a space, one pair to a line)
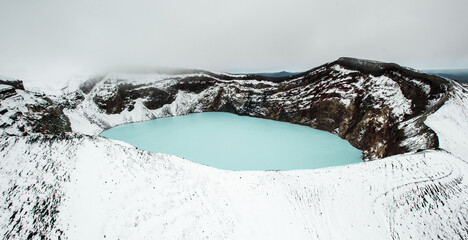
88, 187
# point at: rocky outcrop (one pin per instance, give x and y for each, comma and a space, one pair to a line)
17, 84
8, 87
23, 113
48, 119
122, 97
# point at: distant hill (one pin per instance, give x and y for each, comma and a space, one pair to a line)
277, 74
456, 74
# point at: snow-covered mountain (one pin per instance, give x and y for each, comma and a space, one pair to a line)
61, 180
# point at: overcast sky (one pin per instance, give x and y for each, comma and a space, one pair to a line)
43, 39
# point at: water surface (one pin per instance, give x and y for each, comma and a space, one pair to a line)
232, 142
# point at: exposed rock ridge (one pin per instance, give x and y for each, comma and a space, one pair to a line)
17, 84
23, 112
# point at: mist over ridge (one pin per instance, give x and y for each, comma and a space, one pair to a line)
52, 41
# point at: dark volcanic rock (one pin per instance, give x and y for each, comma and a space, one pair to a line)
10, 91
155, 98
7, 92
113, 103
194, 84
29, 113
53, 121
123, 95
17, 84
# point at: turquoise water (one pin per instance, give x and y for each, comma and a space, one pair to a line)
232, 142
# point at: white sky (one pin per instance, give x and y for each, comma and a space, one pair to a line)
45, 40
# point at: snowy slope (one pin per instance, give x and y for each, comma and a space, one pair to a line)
114, 190
75, 186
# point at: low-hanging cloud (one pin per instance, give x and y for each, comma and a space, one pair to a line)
56, 39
